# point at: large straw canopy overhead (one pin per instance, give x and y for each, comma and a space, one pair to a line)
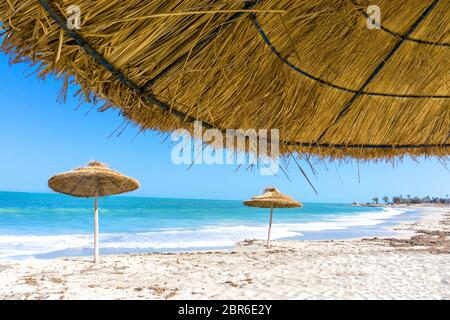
311, 68
272, 198
94, 180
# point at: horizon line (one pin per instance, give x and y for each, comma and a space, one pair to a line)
155, 197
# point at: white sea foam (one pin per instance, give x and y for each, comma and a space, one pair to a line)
20, 246
346, 221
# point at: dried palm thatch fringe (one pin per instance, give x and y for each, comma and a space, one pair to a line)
217, 67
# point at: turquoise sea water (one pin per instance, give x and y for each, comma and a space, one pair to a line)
48, 225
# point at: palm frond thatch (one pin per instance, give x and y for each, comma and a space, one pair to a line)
309, 68
93, 180
273, 198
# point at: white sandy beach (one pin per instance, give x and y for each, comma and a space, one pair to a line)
413, 265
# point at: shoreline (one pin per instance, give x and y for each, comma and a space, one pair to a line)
391, 205
412, 265
210, 236
428, 216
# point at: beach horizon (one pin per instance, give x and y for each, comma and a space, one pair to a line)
391, 267
47, 226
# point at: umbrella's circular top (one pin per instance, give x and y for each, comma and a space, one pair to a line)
96, 179
273, 198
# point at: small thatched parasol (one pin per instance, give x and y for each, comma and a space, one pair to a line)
93, 181
272, 198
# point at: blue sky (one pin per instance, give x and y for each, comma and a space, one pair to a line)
39, 137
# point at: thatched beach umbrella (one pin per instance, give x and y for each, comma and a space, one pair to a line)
93, 181
326, 73
272, 198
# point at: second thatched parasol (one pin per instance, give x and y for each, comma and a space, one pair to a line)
93, 181
272, 198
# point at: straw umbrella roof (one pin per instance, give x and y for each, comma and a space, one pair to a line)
312, 69
94, 180
272, 198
